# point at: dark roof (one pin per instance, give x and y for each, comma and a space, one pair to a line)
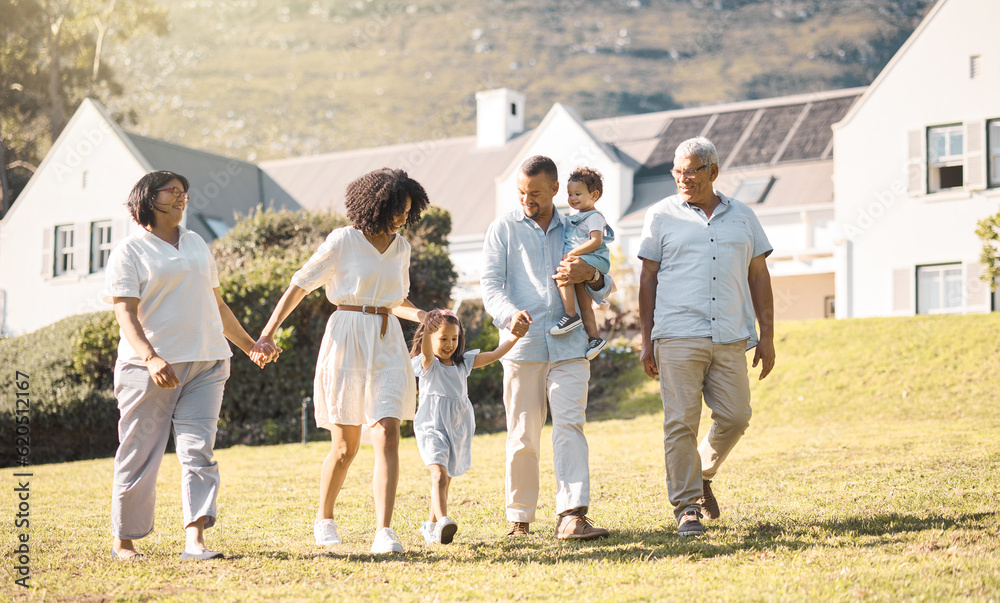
751, 133
221, 187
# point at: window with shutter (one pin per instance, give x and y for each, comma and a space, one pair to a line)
945, 157
100, 245
940, 289
64, 250
993, 154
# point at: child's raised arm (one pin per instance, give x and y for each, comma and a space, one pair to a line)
517, 329
432, 322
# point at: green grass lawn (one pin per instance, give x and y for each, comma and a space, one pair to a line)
869, 472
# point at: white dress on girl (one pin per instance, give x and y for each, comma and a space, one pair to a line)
361, 377
445, 421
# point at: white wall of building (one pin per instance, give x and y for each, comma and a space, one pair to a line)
886, 231
86, 178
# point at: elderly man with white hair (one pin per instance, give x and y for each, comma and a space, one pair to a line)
704, 279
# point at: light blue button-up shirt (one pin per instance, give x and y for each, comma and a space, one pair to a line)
701, 287
519, 261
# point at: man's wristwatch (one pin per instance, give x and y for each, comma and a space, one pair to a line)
597, 277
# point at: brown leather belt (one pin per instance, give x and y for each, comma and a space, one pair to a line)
370, 310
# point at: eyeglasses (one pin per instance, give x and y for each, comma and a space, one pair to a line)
176, 192
688, 173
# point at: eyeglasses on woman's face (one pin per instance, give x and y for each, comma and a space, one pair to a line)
178, 193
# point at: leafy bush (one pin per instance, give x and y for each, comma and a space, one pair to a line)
72, 410
613, 374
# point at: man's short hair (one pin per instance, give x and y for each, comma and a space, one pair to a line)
699, 147
539, 164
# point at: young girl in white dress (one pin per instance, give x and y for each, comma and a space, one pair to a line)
445, 422
363, 373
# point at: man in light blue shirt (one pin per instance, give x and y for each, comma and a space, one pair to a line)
521, 253
704, 279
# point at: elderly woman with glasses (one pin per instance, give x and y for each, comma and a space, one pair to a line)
173, 362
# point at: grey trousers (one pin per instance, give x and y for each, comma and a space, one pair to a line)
526, 388
689, 369
147, 414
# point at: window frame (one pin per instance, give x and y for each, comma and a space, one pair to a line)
949, 160
943, 308
100, 245
993, 160
64, 250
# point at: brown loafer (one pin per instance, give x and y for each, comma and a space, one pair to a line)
578, 527
709, 506
519, 528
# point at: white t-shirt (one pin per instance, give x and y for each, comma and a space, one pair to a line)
594, 221
177, 307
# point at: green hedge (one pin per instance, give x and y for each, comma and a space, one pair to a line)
73, 414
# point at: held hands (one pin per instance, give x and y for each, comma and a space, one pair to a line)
264, 351
433, 320
519, 324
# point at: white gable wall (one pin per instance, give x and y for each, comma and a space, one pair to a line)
886, 231
31, 297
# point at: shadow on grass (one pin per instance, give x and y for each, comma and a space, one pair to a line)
722, 540
754, 538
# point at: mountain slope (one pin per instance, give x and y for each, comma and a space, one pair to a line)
267, 78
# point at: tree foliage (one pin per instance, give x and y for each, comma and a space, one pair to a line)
989, 232
50, 60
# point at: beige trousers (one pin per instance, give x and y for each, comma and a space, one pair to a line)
690, 369
526, 387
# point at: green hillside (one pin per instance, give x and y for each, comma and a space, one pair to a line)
869, 472
268, 79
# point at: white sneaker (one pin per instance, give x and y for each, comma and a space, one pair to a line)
429, 533
445, 530
325, 531
386, 541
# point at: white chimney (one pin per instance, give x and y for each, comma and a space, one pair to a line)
499, 116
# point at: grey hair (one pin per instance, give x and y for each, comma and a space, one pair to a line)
700, 147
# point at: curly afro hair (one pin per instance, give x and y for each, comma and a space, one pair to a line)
140, 200
589, 176
373, 200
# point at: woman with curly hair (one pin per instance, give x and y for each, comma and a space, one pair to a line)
363, 373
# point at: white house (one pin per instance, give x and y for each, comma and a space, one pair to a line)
776, 155
917, 166
55, 240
